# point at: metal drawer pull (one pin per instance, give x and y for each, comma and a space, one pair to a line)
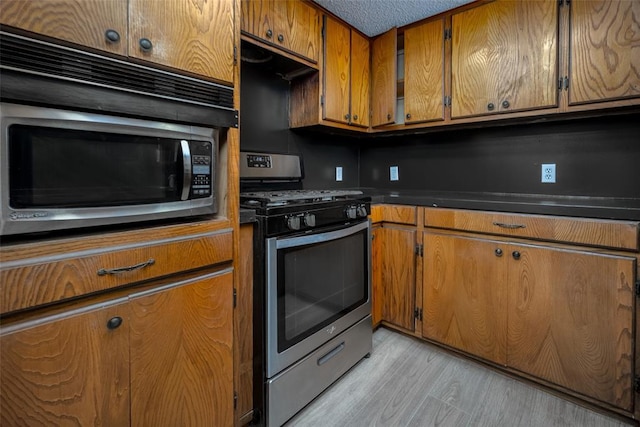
105, 271
511, 226
324, 359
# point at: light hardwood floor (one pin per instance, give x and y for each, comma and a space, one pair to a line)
407, 382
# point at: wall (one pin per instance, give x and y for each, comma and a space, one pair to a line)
593, 157
264, 126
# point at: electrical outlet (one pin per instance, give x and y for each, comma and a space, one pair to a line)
338, 173
393, 173
548, 173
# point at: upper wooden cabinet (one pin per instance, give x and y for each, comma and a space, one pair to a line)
504, 57
289, 25
604, 51
384, 76
424, 72
196, 36
100, 24
346, 75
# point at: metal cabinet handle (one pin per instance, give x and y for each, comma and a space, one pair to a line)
490, 106
280, 38
269, 33
114, 322
505, 104
112, 36
510, 226
346, 117
516, 255
388, 116
119, 270
408, 115
146, 45
498, 252
355, 117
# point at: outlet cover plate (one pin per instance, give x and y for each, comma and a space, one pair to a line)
338, 173
548, 173
393, 173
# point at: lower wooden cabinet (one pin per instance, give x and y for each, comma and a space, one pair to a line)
162, 357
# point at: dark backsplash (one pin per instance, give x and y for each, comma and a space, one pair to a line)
593, 157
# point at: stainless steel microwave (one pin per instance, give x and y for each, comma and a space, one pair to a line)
62, 169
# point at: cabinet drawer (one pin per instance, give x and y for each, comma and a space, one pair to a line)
41, 280
398, 214
584, 231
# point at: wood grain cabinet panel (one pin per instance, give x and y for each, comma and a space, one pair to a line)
182, 354
195, 36
424, 72
360, 80
397, 214
69, 369
397, 276
77, 21
384, 76
289, 25
604, 50
465, 295
504, 58
78, 273
337, 71
571, 316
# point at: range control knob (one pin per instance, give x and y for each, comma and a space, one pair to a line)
352, 212
293, 222
362, 211
309, 220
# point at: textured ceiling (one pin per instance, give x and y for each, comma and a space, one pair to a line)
374, 17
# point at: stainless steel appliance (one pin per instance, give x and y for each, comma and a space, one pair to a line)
312, 285
91, 140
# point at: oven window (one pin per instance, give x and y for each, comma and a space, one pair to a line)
58, 168
319, 283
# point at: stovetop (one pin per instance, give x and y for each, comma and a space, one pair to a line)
267, 199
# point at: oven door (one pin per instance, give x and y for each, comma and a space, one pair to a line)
318, 285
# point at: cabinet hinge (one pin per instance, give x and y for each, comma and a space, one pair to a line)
564, 2
563, 83
638, 288
235, 400
417, 313
235, 55
322, 100
447, 33
419, 249
447, 101
235, 297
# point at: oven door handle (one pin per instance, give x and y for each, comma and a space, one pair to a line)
324, 359
290, 242
186, 167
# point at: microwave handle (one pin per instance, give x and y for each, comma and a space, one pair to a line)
186, 166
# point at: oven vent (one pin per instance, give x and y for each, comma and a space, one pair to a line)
42, 58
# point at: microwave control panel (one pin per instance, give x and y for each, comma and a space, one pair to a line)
201, 169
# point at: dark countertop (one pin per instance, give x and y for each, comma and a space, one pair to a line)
575, 206
247, 216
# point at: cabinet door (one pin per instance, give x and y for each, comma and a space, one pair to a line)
605, 50
297, 28
397, 275
465, 294
424, 72
504, 57
182, 355
195, 36
360, 80
67, 370
384, 78
376, 275
571, 317
337, 65
258, 18
78, 21
243, 328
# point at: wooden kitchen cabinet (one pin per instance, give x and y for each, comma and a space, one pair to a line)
384, 76
465, 295
197, 37
346, 75
289, 25
604, 48
66, 369
424, 72
159, 357
504, 58
83, 22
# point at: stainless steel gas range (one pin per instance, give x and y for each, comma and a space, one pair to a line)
312, 307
